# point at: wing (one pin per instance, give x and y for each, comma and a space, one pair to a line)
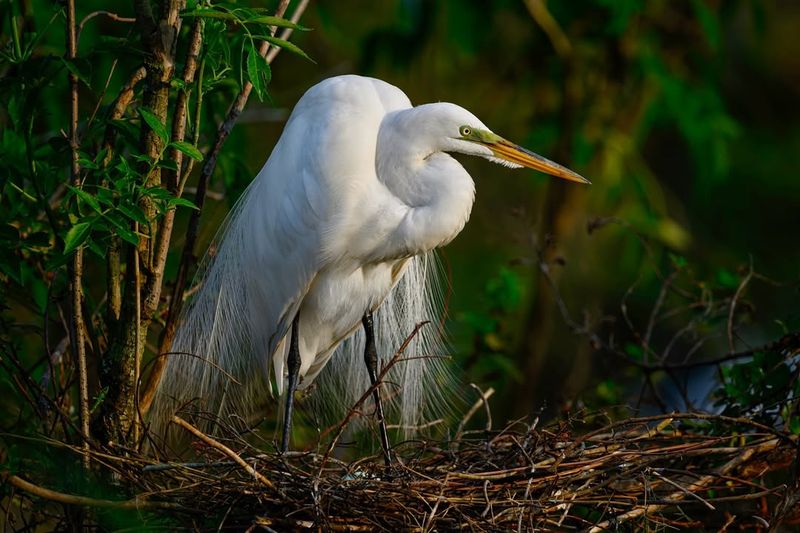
283, 231
329, 145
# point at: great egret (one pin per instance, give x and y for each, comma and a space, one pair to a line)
356, 193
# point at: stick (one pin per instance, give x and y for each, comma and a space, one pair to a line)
136, 502
472, 410
224, 449
76, 270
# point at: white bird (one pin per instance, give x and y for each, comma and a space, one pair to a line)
338, 224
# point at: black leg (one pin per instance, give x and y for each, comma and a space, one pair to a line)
293, 365
371, 358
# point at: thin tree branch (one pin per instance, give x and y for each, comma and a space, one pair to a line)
136, 503
155, 280
224, 449
732, 309
76, 272
112, 16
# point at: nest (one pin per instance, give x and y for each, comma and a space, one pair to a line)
680, 470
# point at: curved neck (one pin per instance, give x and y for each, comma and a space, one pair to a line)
437, 191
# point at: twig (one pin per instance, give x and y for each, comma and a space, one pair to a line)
137, 364
429, 522
136, 503
112, 16
484, 397
224, 449
734, 300
682, 489
287, 32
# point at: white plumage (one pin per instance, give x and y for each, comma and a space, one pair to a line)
357, 193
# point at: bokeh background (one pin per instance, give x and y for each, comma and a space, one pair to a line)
681, 113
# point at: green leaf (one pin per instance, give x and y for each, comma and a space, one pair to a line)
182, 202
87, 198
97, 250
87, 163
155, 123
134, 213
277, 22
158, 193
727, 279
634, 351
209, 13
168, 164
188, 149
253, 72
123, 230
105, 196
99, 399
73, 69
678, 261
76, 236
281, 43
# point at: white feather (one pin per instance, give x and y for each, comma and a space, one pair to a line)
357, 190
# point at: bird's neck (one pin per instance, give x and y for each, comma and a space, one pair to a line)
437, 190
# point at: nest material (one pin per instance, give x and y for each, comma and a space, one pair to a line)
684, 470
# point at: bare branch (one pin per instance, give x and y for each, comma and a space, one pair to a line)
112, 16
224, 449
136, 503
77, 332
734, 301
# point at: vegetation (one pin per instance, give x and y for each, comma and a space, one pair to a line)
670, 284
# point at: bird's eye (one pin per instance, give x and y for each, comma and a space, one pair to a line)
465, 131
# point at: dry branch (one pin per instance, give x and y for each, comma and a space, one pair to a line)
77, 333
224, 449
72, 499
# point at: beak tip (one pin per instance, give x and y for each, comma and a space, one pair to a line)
574, 176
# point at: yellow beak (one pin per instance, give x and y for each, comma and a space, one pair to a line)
517, 154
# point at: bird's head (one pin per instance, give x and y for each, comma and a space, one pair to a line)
460, 131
